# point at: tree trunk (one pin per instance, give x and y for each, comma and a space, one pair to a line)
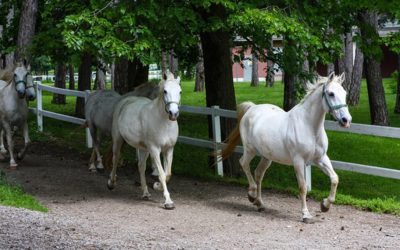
289, 76
397, 106
306, 70
376, 93
354, 89
59, 83
121, 75
342, 61
71, 77
26, 30
270, 77
142, 74
84, 81
100, 81
330, 68
254, 71
164, 63
173, 63
219, 79
348, 60
199, 81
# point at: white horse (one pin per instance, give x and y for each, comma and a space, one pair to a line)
16, 87
293, 138
99, 110
151, 127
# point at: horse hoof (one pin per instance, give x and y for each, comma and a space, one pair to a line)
169, 206
110, 185
146, 197
20, 157
308, 220
323, 207
13, 166
251, 199
3, 151
261, 209
99, 170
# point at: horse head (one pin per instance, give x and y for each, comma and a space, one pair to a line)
171, 94
334, 96
24, 82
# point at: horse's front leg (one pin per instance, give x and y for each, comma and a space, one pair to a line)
299, 169
155, 157
27, 141
168, 156
3, 150
142, 157
7, 129
326, 166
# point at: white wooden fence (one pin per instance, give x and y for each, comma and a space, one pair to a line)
216, 113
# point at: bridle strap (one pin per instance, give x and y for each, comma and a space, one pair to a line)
328, 102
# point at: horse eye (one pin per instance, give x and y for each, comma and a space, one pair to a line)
331, 94
180, 92
165, 92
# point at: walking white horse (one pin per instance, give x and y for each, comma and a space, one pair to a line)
99, 110
16, 87
295, 138
151, 127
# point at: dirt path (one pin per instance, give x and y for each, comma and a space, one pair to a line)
84, 214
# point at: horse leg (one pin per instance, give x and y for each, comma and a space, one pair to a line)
116, 148
263, 165
244, 161
326, 166
299, 169
92, 166
27, 141
3, 150
7, 128
99, 162
155, 156
168, 155
142, 158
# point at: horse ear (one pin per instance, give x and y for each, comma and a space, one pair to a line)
342, 78
331, 76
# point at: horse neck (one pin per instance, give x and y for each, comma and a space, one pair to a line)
311, 110
159, 106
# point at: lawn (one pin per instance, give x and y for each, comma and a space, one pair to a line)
364, 191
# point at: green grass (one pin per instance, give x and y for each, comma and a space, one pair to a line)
363, 191
11, 195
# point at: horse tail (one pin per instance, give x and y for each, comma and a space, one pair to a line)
107, 159
234, 137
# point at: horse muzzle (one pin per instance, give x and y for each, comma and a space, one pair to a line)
21, 94
173, 116
344, 122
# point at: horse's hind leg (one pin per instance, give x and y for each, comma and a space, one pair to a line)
142, 157
244, 161
116, 148
326, 166
99, 161
27, 141
263, 165
92, 166
3, 150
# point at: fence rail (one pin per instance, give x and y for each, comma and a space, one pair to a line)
216, 144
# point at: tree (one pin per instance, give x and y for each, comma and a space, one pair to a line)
199, 80
84, 82
26, 28
71, 77
60, 83
354, 88
254, 71
372, 54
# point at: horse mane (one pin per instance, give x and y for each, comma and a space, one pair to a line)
319, 81
7, 73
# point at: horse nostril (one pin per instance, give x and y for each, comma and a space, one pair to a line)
344, 120
170, 113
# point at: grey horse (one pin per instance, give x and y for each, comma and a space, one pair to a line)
99, 113
16, 87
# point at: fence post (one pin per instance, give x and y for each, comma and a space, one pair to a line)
307, 176
89, 140
216, 126
39, 107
